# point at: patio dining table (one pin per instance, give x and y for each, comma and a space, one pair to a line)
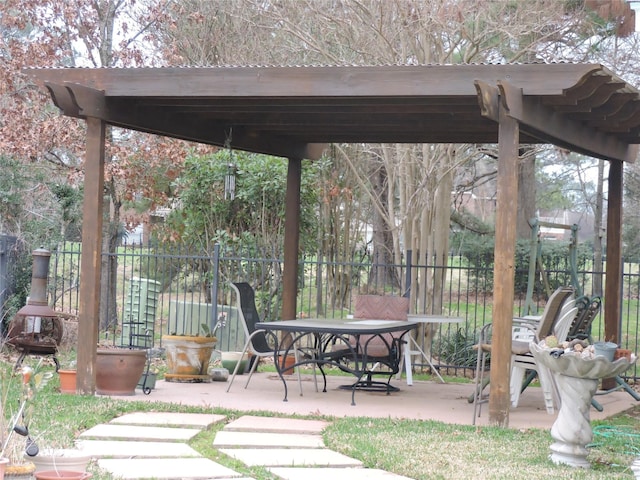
344, 344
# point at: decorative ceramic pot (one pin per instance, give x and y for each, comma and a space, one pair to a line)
118, 370
67, 381
188, 357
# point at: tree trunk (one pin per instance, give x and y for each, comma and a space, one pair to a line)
597, 232
526, 193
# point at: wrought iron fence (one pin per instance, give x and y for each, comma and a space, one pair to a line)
158, 291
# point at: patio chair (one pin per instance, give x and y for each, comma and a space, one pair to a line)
382, 353
588, 309
522, 360
535, 328
256, 343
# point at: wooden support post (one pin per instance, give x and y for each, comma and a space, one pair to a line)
291, 239
89, 302
613, 285
504, 268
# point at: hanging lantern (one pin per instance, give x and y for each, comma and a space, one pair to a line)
230, 182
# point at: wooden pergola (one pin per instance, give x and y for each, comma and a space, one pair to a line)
294, 112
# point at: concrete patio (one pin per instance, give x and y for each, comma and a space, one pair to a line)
424, 400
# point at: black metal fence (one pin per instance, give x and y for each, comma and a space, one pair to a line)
160, 291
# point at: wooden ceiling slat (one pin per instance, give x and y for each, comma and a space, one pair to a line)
301, 105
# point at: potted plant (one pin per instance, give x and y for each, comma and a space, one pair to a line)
188, 356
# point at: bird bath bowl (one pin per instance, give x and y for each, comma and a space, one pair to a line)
577, 380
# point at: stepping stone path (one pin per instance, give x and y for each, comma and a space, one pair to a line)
153, 445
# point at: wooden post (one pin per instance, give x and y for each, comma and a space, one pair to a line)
291, 239
504, 268
613, 286
89, 302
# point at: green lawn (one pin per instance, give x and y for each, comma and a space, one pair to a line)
417, 449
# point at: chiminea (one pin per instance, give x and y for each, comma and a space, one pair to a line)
36, 328
37, 305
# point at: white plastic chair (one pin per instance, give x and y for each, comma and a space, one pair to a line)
522, 360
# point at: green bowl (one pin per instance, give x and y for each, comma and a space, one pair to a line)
231, 366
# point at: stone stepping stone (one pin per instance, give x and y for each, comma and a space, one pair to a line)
288, 457
134, 432
170, 468
334, 474
225, 439
166, 419
253, 423
124, 449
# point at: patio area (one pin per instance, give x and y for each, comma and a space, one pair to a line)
424, 400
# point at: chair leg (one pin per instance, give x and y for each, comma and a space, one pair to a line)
548, 389
515, 385
480, 382
295, 356
235, 370
253, 368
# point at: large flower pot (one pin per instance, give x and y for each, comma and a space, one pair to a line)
188, 357
118, 370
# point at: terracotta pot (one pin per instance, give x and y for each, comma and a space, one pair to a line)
289, 360
622, 353
188, 357
67, 381
3, 465
68, 474
118, 370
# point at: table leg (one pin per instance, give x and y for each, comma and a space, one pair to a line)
426, 357
407, 362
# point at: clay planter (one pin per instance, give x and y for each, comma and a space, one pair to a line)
68, 474
67, 460
67, 381
118, 370
289, 360
3, 465
188, 357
